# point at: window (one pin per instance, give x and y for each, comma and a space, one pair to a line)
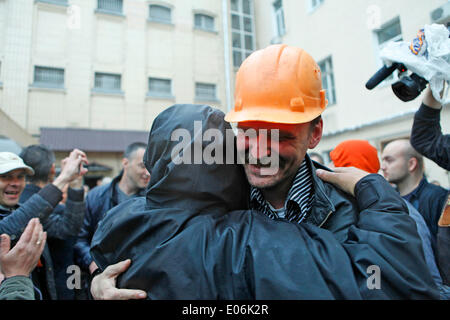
205, 91
160, 14
242, 36
107, 82
389, 32
326, 68
204, 22
159, 87
114, 6
279, 18
48, 77
314, 4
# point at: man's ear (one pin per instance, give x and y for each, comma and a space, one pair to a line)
125, 162
412, 164
316, 134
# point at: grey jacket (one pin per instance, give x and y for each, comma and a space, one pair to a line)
17, 288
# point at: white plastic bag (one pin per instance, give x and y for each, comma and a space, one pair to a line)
430, 60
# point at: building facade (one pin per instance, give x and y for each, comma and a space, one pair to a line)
105, 65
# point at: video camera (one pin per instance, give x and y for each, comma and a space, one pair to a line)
417, 53
406, 89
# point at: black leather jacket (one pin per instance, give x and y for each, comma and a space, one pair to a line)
190, 239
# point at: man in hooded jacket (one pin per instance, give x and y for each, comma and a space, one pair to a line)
191, 237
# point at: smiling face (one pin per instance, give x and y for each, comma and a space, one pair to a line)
294, 140
137, 174
11, 186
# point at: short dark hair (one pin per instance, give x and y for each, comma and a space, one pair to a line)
132, 148
41, 159
315, 121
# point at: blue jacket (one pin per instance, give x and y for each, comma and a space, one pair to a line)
40, 205
69, 219
192, 237
98, 201
429, 200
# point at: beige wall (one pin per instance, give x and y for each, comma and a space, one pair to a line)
129, 45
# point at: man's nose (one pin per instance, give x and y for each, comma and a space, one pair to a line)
260, 147
16, 181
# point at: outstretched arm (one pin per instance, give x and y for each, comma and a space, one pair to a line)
68, 224
426, 134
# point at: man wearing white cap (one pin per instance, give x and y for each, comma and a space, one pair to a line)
14, 218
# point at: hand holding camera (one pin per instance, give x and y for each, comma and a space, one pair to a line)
428, 58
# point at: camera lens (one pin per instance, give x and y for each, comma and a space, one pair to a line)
409, 87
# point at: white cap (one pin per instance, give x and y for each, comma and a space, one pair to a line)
10, 161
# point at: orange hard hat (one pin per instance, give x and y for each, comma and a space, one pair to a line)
279, 84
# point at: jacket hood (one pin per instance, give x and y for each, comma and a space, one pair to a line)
187, 156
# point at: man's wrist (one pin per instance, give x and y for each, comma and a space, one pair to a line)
75, 194
51, 194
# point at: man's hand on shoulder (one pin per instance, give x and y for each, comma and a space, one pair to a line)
343, 178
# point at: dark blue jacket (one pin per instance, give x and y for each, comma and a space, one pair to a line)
41, 205
192, 237
61, 244
98, 201
429, 200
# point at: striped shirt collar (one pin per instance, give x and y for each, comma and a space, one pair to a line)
298, 201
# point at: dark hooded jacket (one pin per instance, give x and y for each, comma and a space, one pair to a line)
191, 239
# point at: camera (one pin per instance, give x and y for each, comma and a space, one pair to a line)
406, 89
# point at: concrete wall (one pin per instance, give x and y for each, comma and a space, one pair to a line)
37, 33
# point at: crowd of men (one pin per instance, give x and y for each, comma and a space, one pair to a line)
215, 231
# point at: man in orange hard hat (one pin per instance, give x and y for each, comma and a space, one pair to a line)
280, 88
279, 96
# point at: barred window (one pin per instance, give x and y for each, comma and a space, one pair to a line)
115, 6
326, 68
107, 82
203, 21
48, 77
279, 18
242, 34
205, 91
159, 87
160, 14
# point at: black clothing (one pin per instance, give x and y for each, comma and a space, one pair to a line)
98, 201
427, 137
191, 237
429, 200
